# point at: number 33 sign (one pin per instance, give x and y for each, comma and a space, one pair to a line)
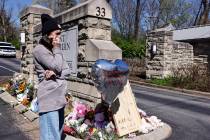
100, 12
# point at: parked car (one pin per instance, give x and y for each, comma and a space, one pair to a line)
6, 49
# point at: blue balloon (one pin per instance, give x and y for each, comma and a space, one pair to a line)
105, 65
121, 65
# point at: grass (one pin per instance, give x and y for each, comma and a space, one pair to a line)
163, 82
189, 77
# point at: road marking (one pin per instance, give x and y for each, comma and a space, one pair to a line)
7, 69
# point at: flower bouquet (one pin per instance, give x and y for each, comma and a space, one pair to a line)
20, 88
85, 123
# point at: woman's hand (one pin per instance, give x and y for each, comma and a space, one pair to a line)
56, 42
48, 74
55, 36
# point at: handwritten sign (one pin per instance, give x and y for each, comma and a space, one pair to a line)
126, 117
69, 47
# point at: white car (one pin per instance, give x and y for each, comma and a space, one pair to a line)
6, 49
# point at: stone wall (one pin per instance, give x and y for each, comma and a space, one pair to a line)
179, 54
170, 54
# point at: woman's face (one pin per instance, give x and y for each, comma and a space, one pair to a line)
55, 36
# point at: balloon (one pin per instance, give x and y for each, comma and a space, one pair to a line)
110, 78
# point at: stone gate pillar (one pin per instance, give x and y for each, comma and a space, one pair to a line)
164, 54
157, 42
29, 17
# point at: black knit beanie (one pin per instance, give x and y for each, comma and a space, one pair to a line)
49, 24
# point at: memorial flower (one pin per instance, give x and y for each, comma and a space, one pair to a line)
22, 86
92, 124
80, 110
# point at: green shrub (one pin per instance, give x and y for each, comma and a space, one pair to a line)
15, 42
130, 48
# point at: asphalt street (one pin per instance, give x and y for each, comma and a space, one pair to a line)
189, 116
8, 66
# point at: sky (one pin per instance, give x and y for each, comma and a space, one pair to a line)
17, 6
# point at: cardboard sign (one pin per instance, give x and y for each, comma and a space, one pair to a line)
125, 113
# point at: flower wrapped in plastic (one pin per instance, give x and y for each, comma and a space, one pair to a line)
110, 78
22, 86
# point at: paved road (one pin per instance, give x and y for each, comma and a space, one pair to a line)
8, 66
14, 126
188, 116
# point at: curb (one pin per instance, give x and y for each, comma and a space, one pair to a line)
31, 116
184, 91
160, 133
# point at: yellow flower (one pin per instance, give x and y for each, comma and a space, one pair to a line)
7, 86
22, 86
25, 102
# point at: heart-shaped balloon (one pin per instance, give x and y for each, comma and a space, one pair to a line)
110, 78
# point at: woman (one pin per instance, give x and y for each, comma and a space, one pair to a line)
52, 71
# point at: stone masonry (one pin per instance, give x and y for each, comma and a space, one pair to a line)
170, 54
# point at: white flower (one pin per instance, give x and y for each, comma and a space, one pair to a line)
145, 127
67, 122
83, 128
142, 112
100, 135
20, 97
26, 91
73, 122
155, 122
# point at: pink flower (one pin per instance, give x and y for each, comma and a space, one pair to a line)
80, 110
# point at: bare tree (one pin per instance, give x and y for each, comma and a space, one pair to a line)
6, 23
203, 13
127, 16
161, 12
3, 19
139, 8
198, 14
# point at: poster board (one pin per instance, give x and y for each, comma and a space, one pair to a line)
125, 113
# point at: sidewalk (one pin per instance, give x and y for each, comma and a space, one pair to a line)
15, 126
